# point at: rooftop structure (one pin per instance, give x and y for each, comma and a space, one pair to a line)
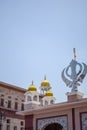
33, 110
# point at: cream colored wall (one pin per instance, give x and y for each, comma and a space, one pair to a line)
13, 122
14, 94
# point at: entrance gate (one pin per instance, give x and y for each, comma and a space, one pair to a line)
54, 126
52, 123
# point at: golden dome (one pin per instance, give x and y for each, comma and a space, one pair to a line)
48, 93
45, 83
32, 87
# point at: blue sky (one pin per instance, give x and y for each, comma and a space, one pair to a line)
37, 38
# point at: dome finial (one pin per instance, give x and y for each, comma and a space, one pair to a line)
32, 87
32, 82
74, 50
44, 77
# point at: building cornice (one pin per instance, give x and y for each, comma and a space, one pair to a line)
56, 107
9, 86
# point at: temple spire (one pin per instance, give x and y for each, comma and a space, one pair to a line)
74, 51
32, 82
44, 77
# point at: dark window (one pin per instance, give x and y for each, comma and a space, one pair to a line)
8, 127
35, 98
2, 102
2, 95
8, 120
21, 123
28, 98
16, 98
9, 97
0, 127
9, 104
51, 102
21, 128
16, 105
15, 127
22, 106
46, 102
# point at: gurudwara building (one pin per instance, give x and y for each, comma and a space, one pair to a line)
22, 109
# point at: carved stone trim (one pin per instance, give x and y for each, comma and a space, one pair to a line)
42, 123
84, 121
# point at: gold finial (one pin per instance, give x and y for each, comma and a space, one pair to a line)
32, 82
44, 77
74, 50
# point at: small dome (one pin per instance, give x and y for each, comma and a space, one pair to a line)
45, 83
32, 87
48, 93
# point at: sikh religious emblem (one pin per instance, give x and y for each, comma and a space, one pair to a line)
74, 74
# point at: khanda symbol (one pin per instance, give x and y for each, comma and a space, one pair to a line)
73, 76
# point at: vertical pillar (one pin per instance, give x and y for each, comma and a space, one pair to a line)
29, 122
74, 96
73, 118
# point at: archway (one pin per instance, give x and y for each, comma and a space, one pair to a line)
54, 126
60, 122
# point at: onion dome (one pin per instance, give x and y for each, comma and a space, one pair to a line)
49, 93
45, 83
32, 87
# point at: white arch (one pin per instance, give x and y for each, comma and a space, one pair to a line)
62, 120
35, 97
50, 124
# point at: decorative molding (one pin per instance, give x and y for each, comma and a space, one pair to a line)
42, 123
75, 93
84, 121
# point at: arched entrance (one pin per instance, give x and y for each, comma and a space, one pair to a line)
54, 126
53, 123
